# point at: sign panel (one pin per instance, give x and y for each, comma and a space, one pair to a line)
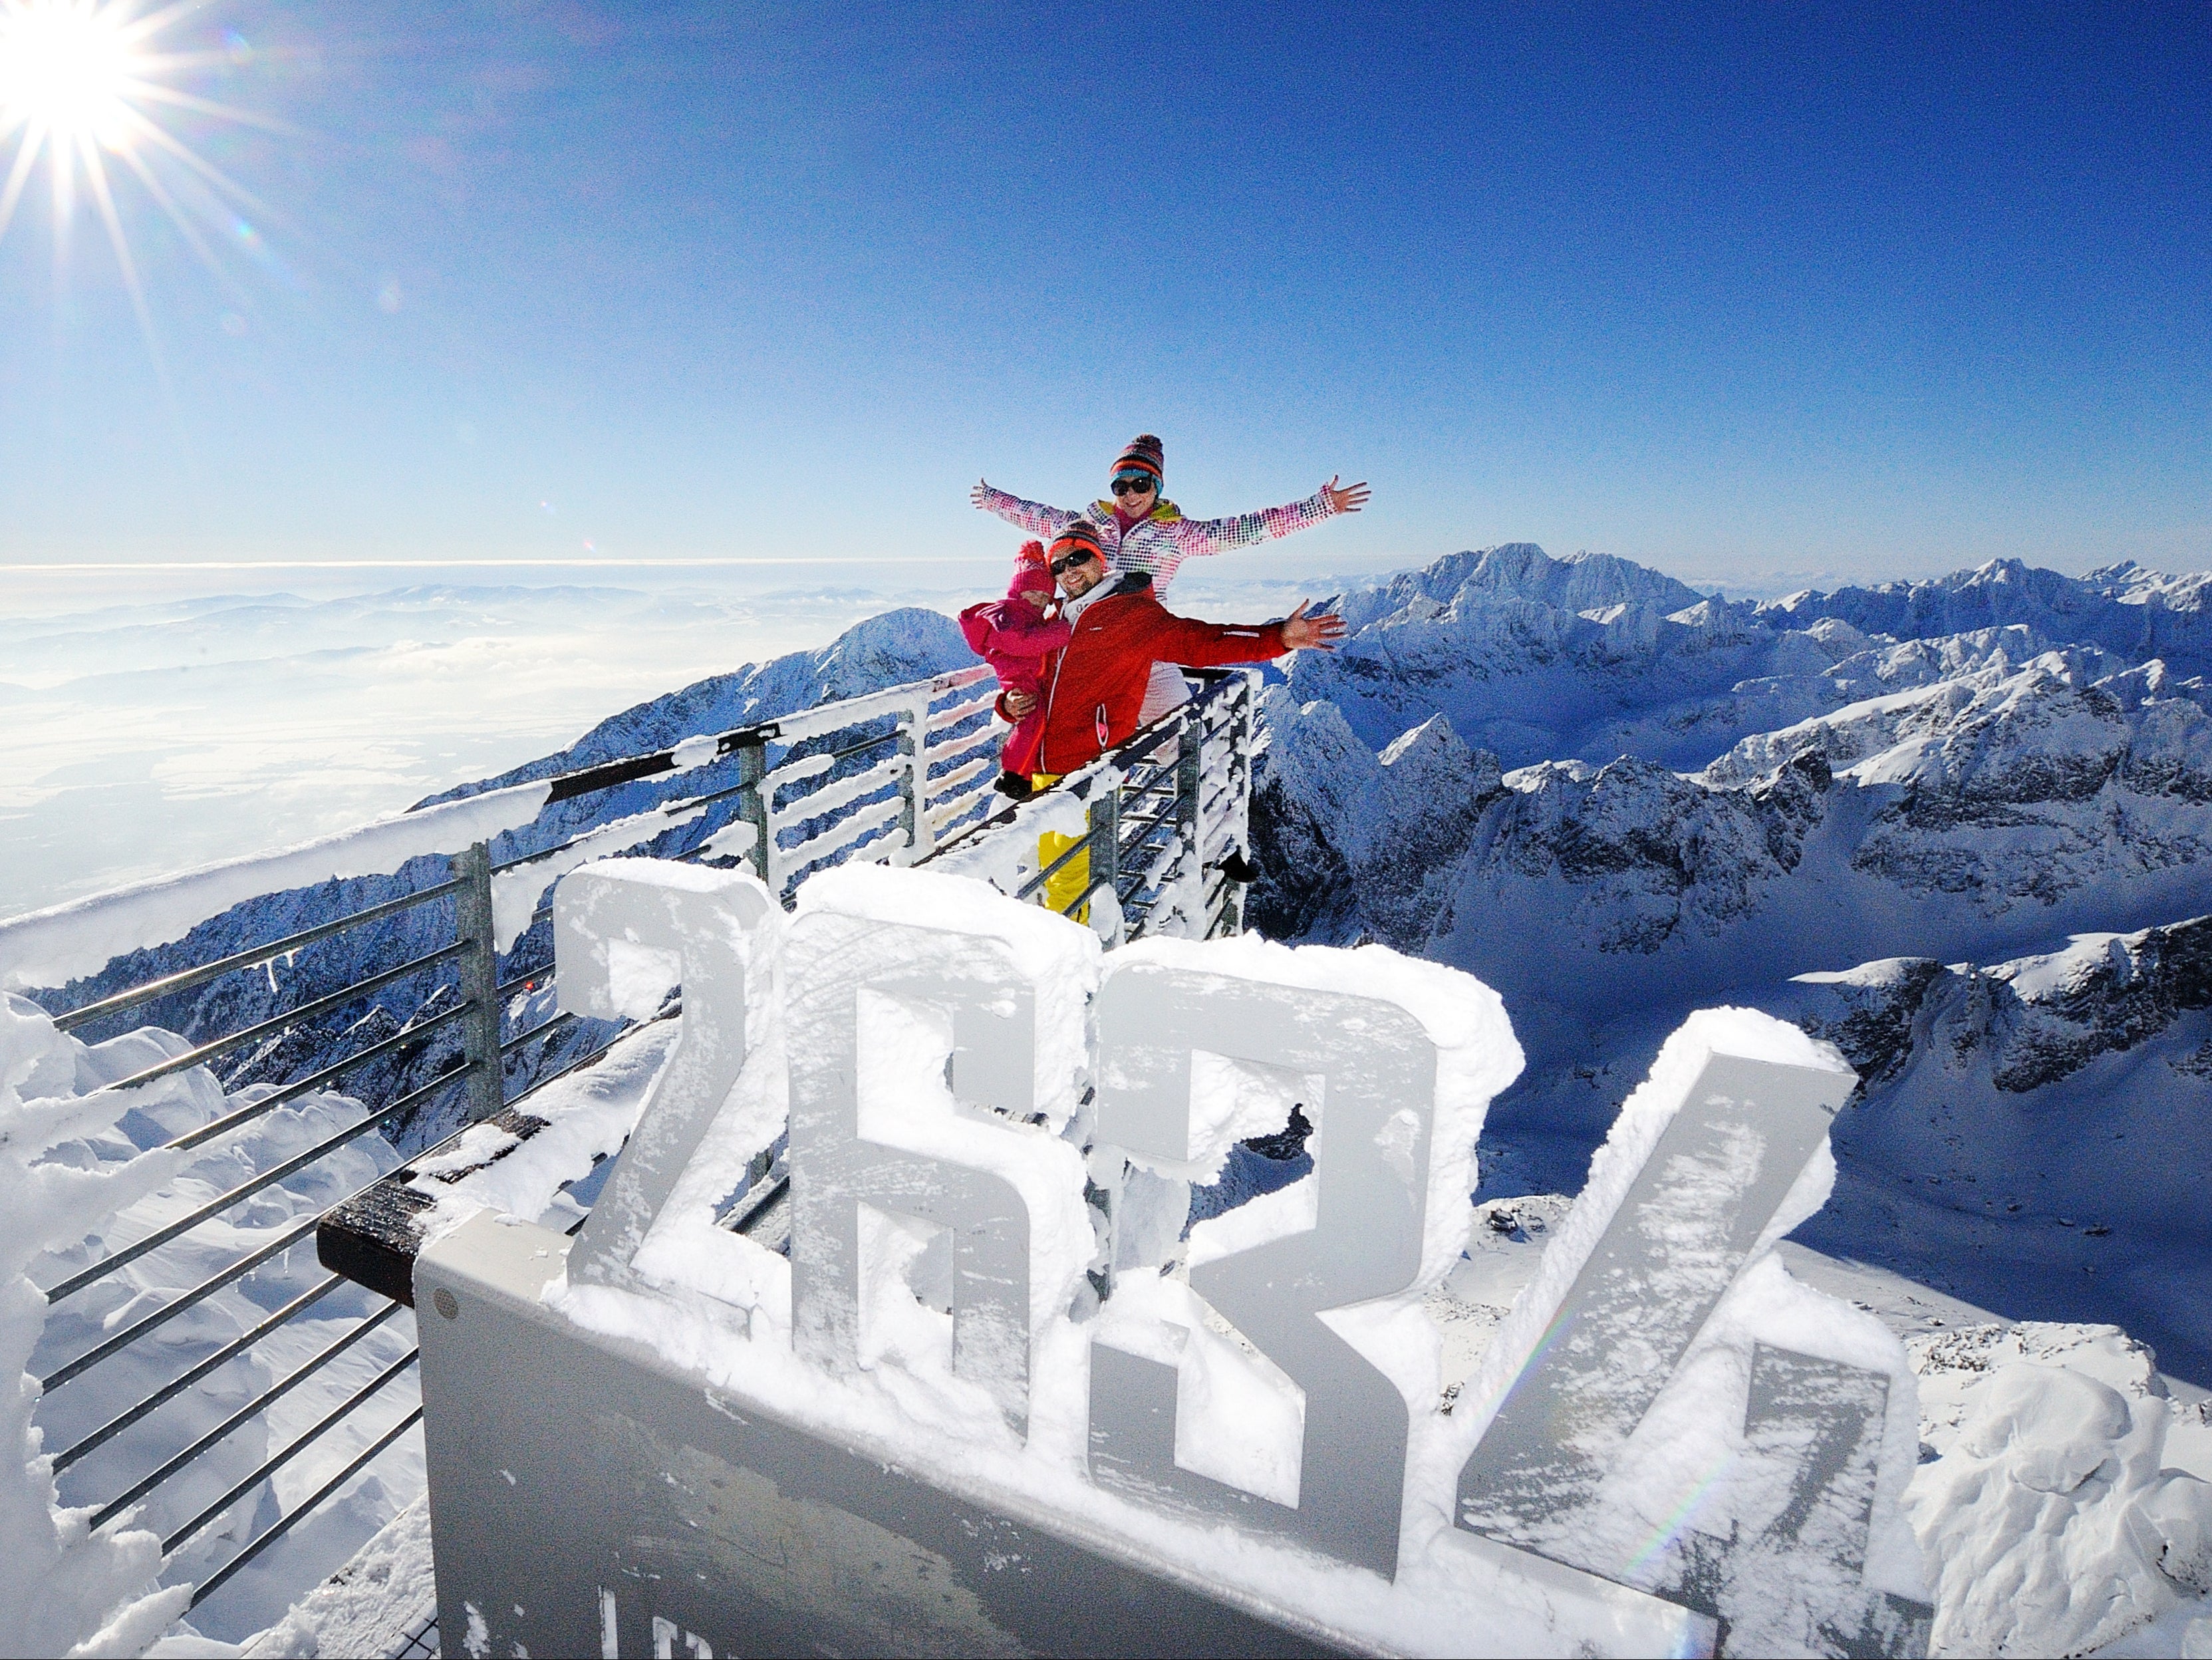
977, 1308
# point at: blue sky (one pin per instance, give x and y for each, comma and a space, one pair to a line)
1737, 291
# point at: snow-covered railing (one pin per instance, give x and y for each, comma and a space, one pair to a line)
125, 1379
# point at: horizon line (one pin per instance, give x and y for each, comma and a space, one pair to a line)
448, 564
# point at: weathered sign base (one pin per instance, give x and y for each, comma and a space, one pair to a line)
585, 1499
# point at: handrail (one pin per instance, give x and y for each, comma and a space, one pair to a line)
586, 780
339, 999
252, 958
900, 774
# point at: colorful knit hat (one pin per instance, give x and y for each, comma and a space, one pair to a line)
1143, 454
1031, 574
1080, 533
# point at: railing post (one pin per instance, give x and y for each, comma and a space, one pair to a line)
914, 814
1106, 855
479, 965
752, 801
1190, 751
1240, 796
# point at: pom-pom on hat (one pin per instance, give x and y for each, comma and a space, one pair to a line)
1143, 454
1031, 573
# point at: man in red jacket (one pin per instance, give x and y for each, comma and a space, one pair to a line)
1094, 686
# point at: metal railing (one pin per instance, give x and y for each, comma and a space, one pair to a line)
900, 776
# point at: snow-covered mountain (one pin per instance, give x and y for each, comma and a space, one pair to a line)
1958, 827
2123, 608
1589, 657
1975, 796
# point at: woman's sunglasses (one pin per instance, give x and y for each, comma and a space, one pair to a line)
1133, 484
1080, 557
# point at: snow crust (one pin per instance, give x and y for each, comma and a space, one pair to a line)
65, 1588
2048, 1500
51, 946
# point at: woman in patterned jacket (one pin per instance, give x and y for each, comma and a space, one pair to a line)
1144, 532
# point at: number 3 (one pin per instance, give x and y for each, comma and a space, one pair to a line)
1375, 1110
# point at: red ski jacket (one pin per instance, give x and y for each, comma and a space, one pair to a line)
1095, 686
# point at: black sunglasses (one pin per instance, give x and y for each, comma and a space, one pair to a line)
1133, 484
1080, 557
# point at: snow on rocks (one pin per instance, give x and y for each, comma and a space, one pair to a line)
1590, 657
2046, 1500
2123, 608
2019, 1139
1997, 808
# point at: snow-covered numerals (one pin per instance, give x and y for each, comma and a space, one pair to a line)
624, 931
932, 1221
1773, 1535
1371, 1073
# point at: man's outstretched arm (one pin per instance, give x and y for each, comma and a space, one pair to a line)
1196, 645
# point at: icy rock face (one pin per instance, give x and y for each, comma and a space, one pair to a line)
2031, 1021
2044, 1499
1520, 650
1625, 855
2028, 1131
1536, 658
2023, 798
1339, 819
2011, 787
2123, 607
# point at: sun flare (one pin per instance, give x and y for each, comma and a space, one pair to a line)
67, 70
88, 86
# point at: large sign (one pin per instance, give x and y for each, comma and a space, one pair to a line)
989, 1296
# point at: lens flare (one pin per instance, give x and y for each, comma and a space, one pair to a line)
67, 70
87, 85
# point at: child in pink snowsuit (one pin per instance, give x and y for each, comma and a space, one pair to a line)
1014, 636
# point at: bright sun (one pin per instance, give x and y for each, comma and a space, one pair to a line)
85, 84
68, 69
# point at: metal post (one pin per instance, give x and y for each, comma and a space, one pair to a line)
914, 813
479, 965
752, 800
1240, 795
1106, 851
1190, 751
